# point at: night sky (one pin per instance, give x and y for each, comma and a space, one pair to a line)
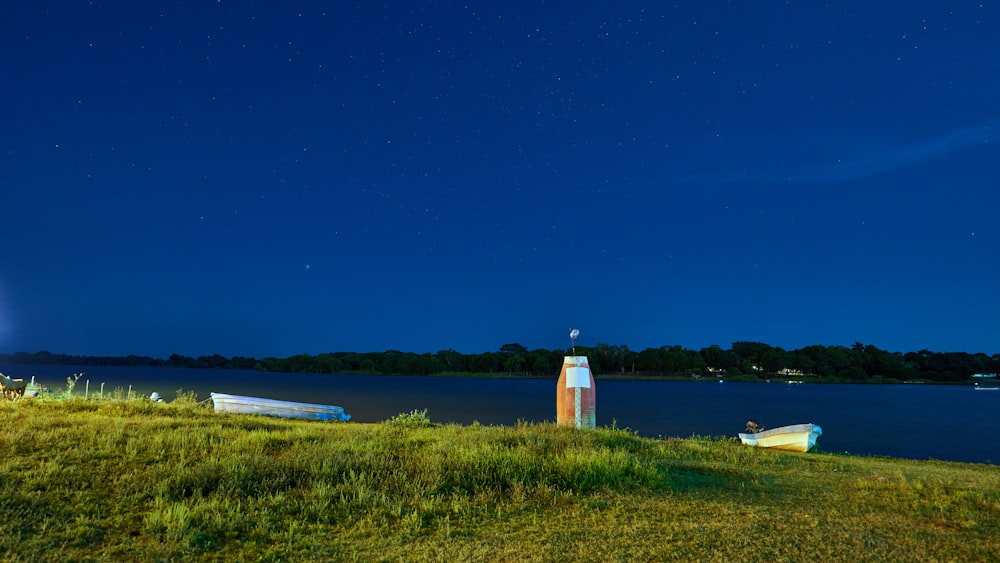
274, 178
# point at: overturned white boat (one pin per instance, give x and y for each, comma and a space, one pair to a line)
238, 404
795, 438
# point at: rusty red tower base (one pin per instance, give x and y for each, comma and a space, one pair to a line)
576, 397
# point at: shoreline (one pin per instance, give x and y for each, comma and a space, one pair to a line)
803, 379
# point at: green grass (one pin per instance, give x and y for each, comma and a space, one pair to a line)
133, 480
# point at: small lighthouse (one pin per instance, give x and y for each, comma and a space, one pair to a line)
576, 397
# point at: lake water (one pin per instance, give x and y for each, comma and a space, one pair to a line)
945, 422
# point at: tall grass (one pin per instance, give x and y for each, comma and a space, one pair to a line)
136, 480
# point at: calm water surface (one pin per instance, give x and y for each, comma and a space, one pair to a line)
913, 421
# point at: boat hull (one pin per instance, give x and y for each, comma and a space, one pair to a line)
794, 438
238, 404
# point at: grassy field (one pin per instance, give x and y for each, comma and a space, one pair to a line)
132, 480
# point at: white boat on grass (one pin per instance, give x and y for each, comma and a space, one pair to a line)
795, 438
238, 404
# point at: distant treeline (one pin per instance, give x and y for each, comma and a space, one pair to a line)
743, 361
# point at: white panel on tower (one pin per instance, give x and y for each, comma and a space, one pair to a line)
578, 377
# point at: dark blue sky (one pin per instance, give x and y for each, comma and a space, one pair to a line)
277, 178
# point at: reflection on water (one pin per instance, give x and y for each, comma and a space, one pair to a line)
913, 421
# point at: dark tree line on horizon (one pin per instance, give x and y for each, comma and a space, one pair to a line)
743, 361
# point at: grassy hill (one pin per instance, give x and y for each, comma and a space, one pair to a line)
122, 479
